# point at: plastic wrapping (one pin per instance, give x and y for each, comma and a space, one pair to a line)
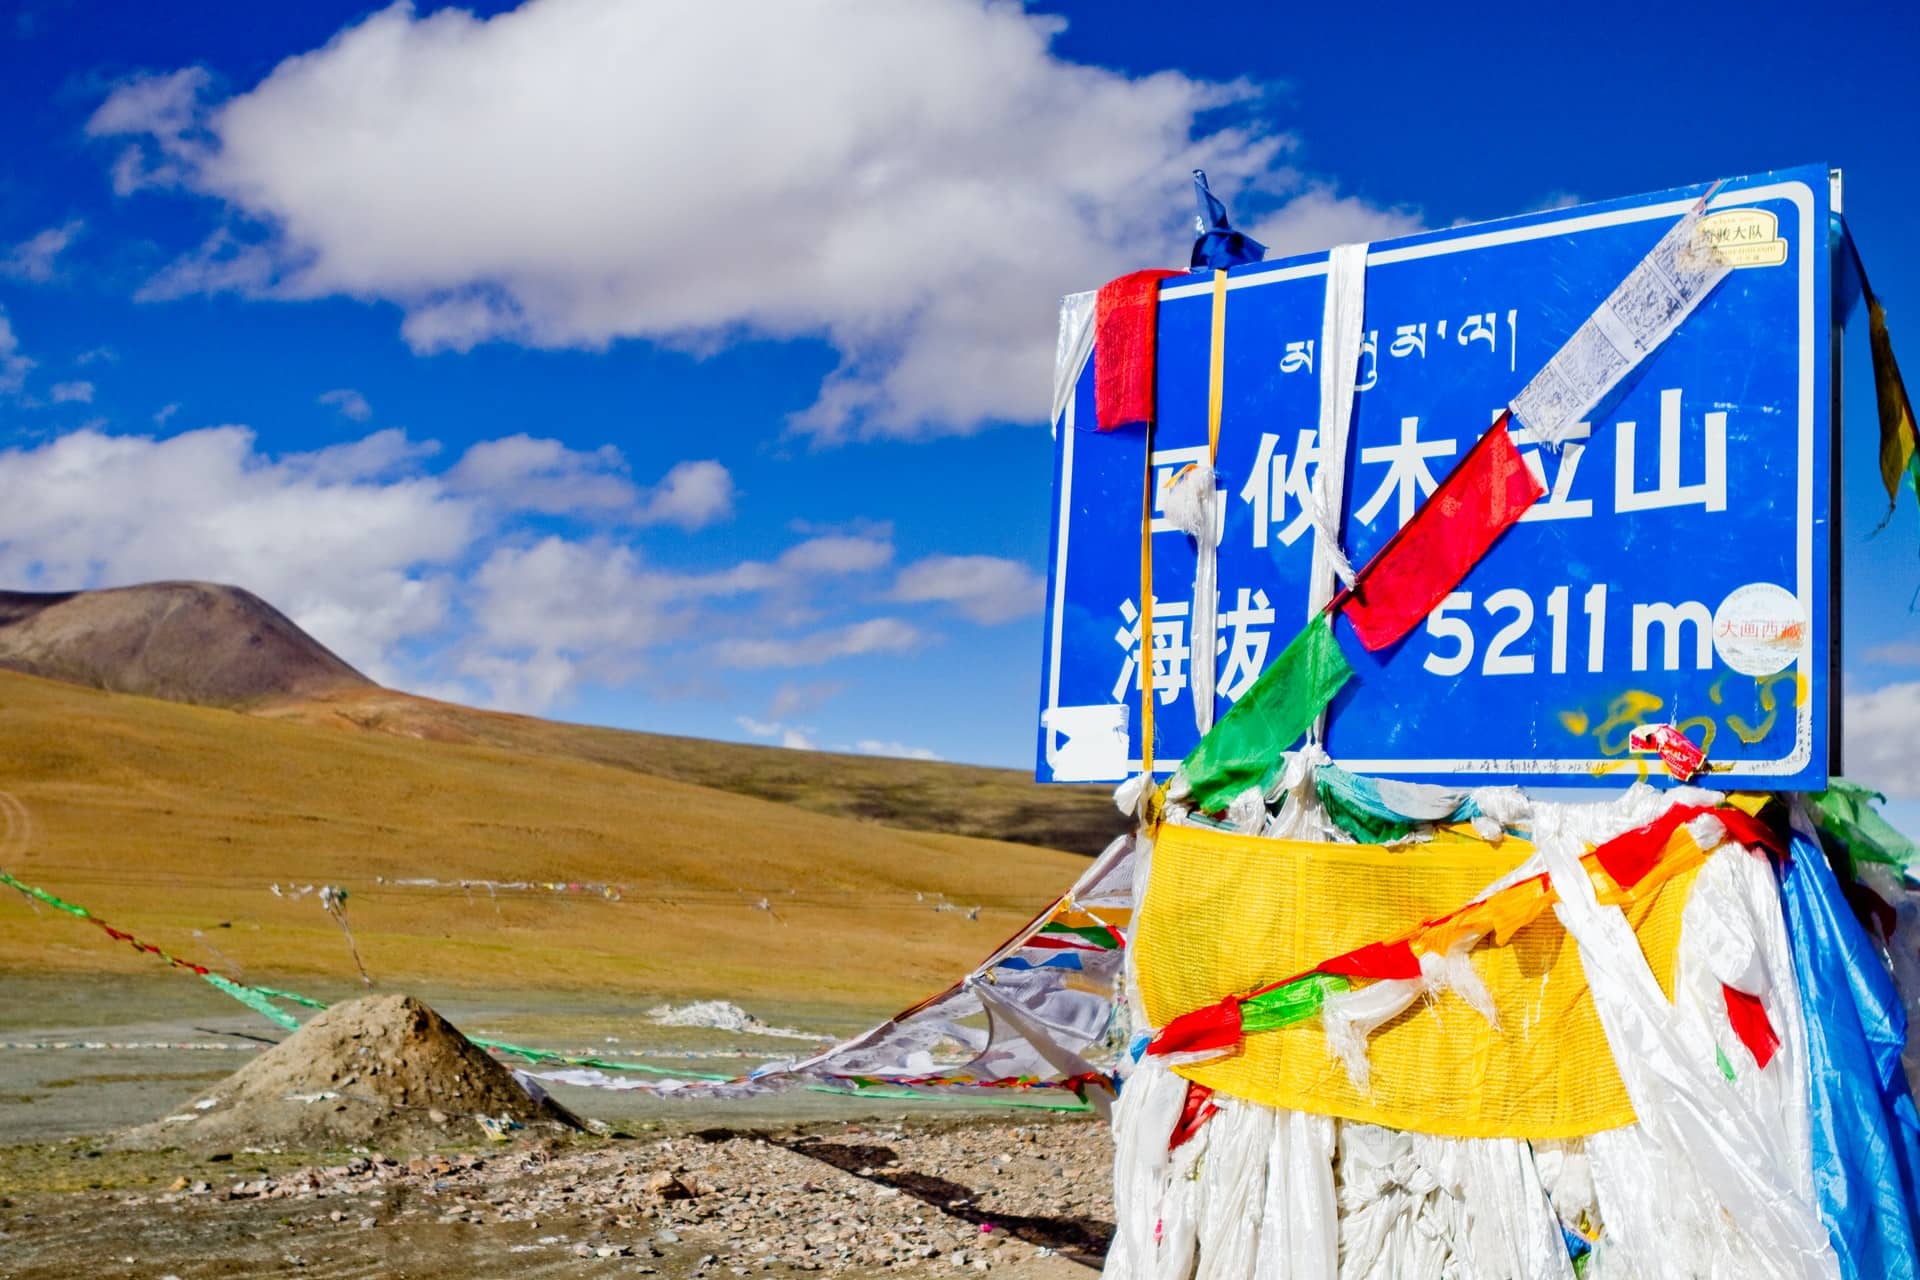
1721, 1173
1865, 1139
1192, 505
1397, 1217
1233, 1186
1299, 1223
1341, 331
1143, 1120
1511, 1228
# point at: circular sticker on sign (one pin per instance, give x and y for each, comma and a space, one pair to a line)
1759, 629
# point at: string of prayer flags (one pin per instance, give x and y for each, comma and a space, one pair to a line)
1378, 961
1630, 860
1244, 748
1126, 336
1480, 499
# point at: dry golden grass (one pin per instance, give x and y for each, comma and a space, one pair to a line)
167, 819
920, 795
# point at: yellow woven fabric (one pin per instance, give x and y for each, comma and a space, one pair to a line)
1226, 914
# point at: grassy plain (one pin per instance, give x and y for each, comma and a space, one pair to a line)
175, 822
919, 795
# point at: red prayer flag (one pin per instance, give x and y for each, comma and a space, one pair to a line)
1476, 503
1126, 326
1750, 1022
1629, 856
1194, 1113
1743, 828
1377, 960
1213, 1029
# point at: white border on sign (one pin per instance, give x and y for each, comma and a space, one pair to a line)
1802, 753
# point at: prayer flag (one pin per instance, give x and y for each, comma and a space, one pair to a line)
1477, 502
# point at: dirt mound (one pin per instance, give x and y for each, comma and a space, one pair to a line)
383, 1069
183, 641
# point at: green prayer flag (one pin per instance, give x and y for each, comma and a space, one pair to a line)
1364, 826
1845, 812
1245, 746
1289, 1003
254, 1000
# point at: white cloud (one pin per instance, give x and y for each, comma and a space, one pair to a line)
222, 263
349, 402
875, 635
34, 258
357, 560
528, 683
14, 366
1320, 217
836, 554
165, 412
793, 737
1882, 738
593, 599
594, 611
802, 564
792, 698
985, 589
530, 473
898, 750
1900, 653
382, 454
572, 171
536, 474
692, 495
72, 393
163, 108
385, 562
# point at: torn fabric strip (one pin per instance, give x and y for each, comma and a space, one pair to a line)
1899, 451
1341, 325
1074, 350
1478, 501
1245, 748
1639, 315
1126, 334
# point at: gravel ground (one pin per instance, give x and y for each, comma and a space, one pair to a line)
938, 1198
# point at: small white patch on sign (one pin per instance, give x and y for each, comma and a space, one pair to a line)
1759, 629
1096, 741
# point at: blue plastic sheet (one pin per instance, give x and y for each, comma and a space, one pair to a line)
1866, 1133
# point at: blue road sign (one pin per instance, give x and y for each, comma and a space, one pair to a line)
1677, 569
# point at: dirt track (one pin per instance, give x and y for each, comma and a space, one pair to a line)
932, 1198
798, 1182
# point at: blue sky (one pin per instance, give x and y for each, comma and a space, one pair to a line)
631, 364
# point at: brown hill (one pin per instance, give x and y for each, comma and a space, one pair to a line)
917, 795
222, 646
193, 642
